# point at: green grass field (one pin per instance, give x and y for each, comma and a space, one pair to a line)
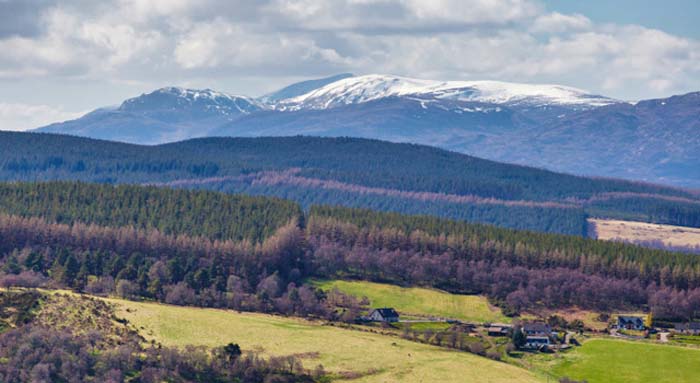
619, 361
420, 301
381, 358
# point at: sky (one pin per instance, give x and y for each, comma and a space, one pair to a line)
61, 59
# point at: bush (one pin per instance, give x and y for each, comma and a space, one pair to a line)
477, 348
29, 279
495, 355
126, 288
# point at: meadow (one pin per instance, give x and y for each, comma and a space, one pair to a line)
620, 361
365, 357
422, 302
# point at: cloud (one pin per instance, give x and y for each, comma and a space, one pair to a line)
209, 42
74, 46
556, 22
20, 117
406, 16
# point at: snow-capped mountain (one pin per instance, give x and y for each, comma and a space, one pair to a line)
355, 90
550, 126
300, 88
205, 101
164, 115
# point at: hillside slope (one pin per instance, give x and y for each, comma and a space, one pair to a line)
361, 356
353, 172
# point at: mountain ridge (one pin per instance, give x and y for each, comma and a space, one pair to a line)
548, 126
361, 89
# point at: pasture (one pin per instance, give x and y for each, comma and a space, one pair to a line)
364, 356
620, 361
422, 302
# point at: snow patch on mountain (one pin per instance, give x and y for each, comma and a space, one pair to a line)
355, 90
176, 98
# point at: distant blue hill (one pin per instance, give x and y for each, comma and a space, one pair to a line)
548, 126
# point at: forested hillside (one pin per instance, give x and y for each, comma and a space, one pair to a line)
373, 174
212, 215
518, 270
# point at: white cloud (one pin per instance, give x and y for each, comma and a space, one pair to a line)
210, 45
75, 46
24, 116
209, 41
472, 12
556, 22
386, 16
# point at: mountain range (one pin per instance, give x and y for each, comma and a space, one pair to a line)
548, 126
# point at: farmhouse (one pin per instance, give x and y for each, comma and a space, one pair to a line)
630, 323
537, 342
537, 329
386, 314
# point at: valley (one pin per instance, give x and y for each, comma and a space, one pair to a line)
349, 191
196, 268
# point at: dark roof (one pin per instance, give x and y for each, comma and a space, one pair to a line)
387, 312
537, 327
628, 319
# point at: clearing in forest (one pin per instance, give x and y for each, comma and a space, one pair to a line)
642, 232
420, 301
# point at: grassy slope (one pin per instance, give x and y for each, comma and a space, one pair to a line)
618, 361
420, 301
340, 350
